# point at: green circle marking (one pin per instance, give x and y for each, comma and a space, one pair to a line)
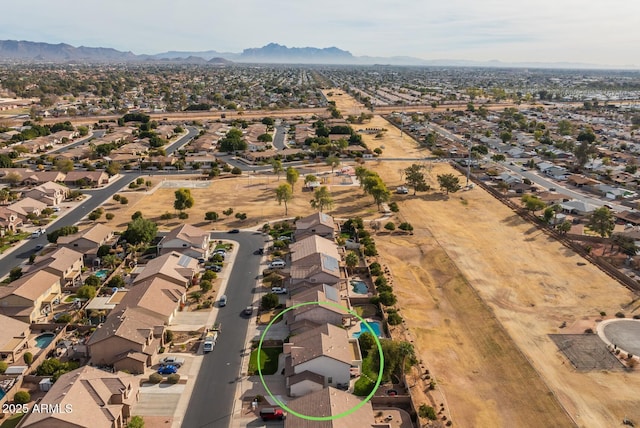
346, 412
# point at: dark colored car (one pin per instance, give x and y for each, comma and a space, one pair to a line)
215, 268
168, 369
39, 247
234, 231
259, 252
271, 413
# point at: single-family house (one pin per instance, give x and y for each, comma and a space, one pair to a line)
9, 220
13, 338
557, 172
127, 340
331, 402
50, 193
318, 268
87, 241
330, 308
42, 177
26, 206
174, 267
30, 298
86, 397
186, 239
326, 352
302, 251
157, 297
319, 223
86, 178
578, 207
64, 262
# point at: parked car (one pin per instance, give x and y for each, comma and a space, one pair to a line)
169, 369
259, 252
215, 268
279, 290
172, 361
284, 238
234, 231
220, 251
271, 413
277, 264
248, 310
223, 300
39, 247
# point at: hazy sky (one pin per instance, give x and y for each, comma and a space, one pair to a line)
592, 31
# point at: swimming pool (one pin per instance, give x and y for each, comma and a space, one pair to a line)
44, 340
102, 273
375, 326
359, 287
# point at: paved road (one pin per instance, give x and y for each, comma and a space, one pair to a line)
278, 139
99, 133
98, 197
211, 403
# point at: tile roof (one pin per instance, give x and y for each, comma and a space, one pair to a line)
30, 286
311, 245
329, 402
173, 265
129, 323
326, 340
97, 233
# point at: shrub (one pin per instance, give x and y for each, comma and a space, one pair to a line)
92, 281
394, 318
168, 336
136, 422
116, 282
381, 281
28, 358
393, 206
427, 412
588, 331
109, 216
619, 315
183, 215
370, 250
3, 367
64, 319
406, 227
155, 378
209, 275
124, 201
236, 171
387, 298
166, 216
86, 292
375, 268
22, 397
603, 314
116, 197
173, 378
270, 301
390, 226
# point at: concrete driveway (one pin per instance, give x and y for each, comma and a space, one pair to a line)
158, 399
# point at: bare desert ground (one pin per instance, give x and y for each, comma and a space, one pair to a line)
479, 288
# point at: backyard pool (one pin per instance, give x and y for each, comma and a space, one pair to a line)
44, 340
102, 273
375, 326
359, 287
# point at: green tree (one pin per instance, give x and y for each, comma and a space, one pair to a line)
390, 226
136, 422
28, 358
116, 282
5, 161
86, 292
211, 216
498, 157
310, 178
380, 194
532, 203
284, 193
184, 199
449, 183
3, 367
139, 231
564, 227
366, 342
277, 167
565, 127
351, 260
205, 285
265, 138
92, 281
505, 136
233, 141
333, 161
64, 165
415, 178
292, 177
321, 199
602, 222
270, 301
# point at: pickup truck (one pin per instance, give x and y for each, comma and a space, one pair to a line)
174, 361
210, 338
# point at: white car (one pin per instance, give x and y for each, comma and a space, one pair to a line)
277, 264
174, 361
279, 290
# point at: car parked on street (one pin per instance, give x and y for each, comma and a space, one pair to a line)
223, 301
279, 290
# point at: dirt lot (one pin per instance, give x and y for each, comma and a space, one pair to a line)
469, 250
480, 289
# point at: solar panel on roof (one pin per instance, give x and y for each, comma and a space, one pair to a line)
331, 293
330, 263
184, 261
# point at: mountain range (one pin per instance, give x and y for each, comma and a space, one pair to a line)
273, 53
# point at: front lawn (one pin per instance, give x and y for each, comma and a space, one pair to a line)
12, 421
268, 361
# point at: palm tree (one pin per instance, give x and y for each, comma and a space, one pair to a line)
351, 260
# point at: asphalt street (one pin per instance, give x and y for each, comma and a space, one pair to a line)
211, 403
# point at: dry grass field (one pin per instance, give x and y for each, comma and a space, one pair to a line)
479, 288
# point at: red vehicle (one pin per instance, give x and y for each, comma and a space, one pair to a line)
271, 413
